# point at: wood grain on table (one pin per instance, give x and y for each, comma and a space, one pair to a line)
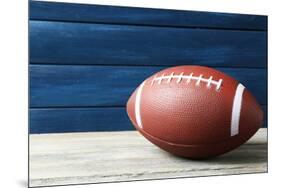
75, 158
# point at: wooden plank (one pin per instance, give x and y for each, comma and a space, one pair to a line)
59, 86
76, 158
143, 16
60, 120
80, 43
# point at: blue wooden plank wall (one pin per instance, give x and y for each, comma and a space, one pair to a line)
85, 60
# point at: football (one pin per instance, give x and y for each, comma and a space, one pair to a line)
194, 111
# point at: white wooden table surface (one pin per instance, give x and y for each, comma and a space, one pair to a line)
74, 158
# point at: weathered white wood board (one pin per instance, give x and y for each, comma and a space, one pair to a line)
74, 158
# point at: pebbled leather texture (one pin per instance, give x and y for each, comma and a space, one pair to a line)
191, 119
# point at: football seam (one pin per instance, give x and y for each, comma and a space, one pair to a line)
189, 77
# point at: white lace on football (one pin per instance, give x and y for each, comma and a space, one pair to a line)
168, 78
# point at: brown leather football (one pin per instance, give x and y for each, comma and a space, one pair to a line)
194, 111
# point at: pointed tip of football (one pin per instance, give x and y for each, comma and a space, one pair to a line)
130, 107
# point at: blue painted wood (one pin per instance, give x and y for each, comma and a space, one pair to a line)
59, 120
89, 58
59, 86
143, 16
78, 120
77, 43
